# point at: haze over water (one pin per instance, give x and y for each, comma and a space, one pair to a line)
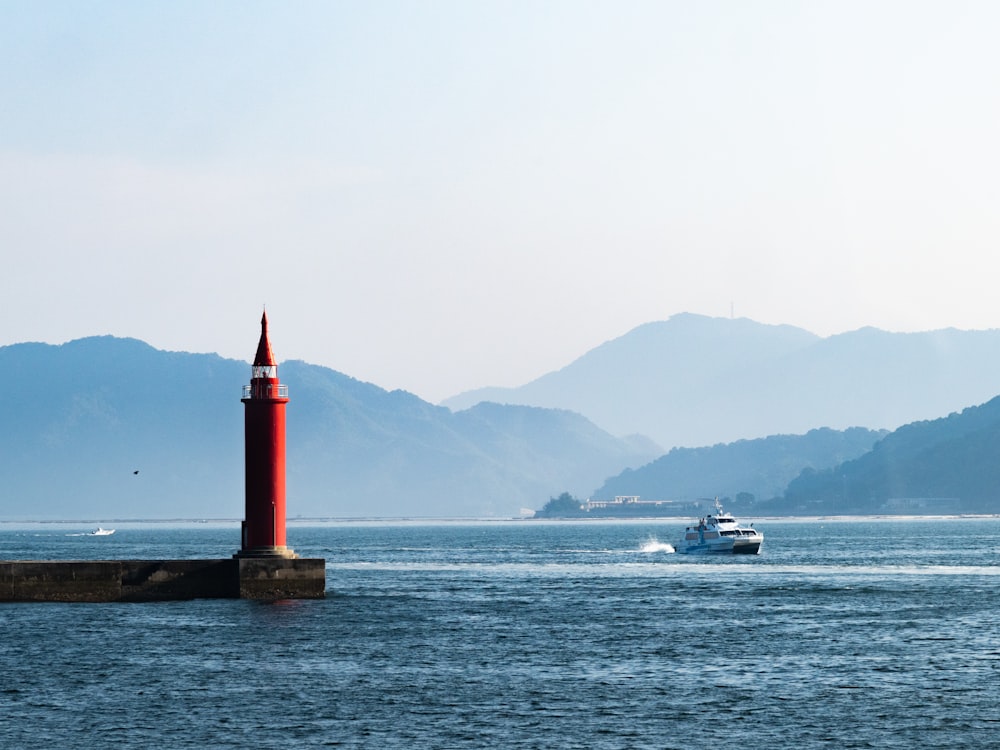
526, 634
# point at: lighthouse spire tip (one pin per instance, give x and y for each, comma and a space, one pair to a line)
265, 355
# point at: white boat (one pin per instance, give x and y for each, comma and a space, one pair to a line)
102, 532
720, 534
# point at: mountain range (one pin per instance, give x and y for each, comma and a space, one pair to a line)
106, 427
695, 381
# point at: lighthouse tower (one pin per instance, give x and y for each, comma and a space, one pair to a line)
264, 400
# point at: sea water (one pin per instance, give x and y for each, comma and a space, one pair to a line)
525, 634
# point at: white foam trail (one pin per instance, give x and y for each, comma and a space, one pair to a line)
654, 545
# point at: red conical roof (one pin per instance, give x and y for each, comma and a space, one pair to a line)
265, 357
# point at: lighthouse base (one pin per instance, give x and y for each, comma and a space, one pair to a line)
281, 577
286, 553
161, 580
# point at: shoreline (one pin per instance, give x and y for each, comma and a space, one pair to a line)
427, 521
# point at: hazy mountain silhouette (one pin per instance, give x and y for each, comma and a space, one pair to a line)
81, 418
107, 427
361, 450
761, 468
696, 381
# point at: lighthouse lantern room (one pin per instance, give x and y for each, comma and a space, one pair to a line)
264, 434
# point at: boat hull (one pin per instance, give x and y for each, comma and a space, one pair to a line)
726, 546
714, 547
749, 547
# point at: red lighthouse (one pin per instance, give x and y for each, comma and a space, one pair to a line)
264, 400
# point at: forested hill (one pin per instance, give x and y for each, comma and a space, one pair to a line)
933, 467
947, 465
761, 468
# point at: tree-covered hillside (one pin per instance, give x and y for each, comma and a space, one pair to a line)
947, 465
761, 468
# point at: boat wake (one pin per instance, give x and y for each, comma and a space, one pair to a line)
654, 545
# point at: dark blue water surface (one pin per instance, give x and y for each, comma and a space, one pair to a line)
528, 634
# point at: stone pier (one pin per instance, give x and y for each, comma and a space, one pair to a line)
161, 580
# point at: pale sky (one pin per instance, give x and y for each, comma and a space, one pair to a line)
438, 196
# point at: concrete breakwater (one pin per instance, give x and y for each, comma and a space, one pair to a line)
161, 580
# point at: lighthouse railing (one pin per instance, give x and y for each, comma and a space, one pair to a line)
265, 390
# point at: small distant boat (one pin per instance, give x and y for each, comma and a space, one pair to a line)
102, 532
720, 534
